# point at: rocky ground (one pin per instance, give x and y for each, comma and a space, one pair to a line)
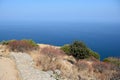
39, 65
25, 66
20, 66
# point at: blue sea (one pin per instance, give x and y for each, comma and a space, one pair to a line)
103, 38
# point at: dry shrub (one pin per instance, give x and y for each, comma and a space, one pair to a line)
68, 70
48, 56
113, 61
82, 65
22, 45
70, 59
52, 58
52, 51
85, 70
100, 67
92, 59
102, 70
115, 76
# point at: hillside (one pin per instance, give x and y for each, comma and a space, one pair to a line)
49, 62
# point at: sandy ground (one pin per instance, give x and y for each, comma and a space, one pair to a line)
8, 69
47, 45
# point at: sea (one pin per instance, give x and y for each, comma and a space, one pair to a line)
103, 38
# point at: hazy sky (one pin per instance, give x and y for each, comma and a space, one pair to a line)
60, 10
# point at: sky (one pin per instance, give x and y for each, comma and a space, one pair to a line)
59, 10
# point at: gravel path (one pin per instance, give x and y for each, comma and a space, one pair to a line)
25, 65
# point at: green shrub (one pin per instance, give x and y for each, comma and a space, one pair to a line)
66, 49
4, 42
113, 60
79, 50
94, 54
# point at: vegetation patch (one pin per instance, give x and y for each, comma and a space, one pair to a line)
82, 65
100, 67
115, 76
114, 61
79, 50
20, 45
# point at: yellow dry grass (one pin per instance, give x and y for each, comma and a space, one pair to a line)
4, 51
49, 57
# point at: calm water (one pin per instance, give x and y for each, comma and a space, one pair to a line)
100, 37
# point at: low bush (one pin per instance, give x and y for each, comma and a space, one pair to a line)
115, 76
4, 42
113, 61
79, 50
94, 54
52, 51
48, 56
82, 65
66, 49
22, 45
100, 67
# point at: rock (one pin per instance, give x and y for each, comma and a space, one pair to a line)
58, 72
50, 72
25, 65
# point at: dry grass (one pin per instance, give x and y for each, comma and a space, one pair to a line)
22, 45
115, 76
52, 58
102, 70
4, 51
100, 67
82, 65
48, 57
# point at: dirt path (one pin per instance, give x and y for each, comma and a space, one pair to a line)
25, 65
8, 69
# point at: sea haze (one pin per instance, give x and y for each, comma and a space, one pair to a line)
103, 38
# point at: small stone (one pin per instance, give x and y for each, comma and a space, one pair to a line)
50, 72
58, 72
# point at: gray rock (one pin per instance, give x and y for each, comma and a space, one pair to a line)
58, 72
25, 65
